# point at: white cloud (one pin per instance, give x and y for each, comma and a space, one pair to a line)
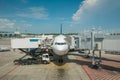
5, 23
86, 4
105, 13
34, 12
101, 9
8, 24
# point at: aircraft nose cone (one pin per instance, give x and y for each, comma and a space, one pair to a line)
60, 50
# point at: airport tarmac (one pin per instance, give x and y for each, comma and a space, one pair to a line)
68, 71
77, 67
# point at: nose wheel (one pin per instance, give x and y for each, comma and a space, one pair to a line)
60, 60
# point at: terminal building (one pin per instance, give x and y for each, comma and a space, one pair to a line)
5, 34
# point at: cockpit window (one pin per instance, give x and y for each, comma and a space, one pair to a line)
60, 43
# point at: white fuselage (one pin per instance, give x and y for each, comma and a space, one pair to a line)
60, 46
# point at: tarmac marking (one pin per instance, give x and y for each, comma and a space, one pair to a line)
59, 67
6, 74
101, 74
86, 73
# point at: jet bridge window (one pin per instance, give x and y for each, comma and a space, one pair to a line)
60, 43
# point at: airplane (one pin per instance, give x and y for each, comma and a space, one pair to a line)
60, 46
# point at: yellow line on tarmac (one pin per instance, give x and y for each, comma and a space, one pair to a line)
58, 66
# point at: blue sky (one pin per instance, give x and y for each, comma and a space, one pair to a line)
45, 16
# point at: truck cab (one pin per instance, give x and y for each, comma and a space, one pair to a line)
45, 58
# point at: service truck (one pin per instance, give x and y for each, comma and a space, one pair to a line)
45, 58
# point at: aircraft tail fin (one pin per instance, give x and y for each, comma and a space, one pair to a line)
61, 29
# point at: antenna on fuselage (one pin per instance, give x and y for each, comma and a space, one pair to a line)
61, 29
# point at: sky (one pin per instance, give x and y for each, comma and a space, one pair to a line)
46, 16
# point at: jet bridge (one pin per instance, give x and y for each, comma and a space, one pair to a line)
25, 43
33, 47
